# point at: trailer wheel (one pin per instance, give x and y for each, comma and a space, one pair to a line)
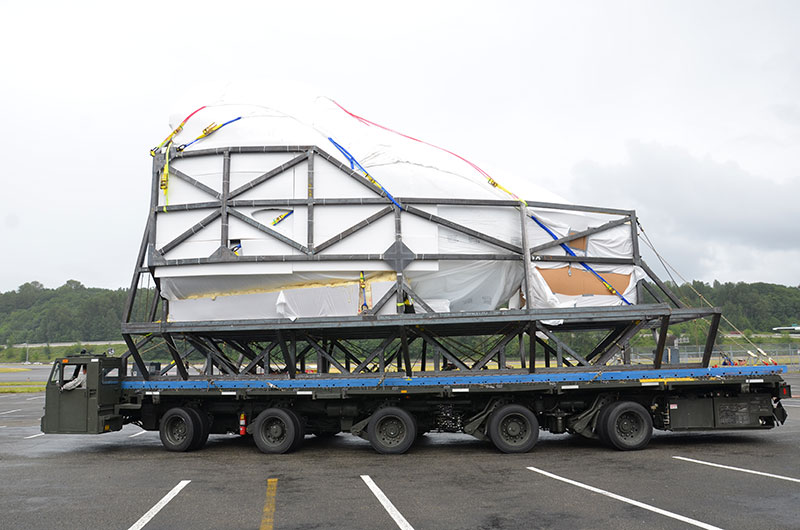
513, 429
202, 428
628, 426
275, 431
391, 431
177, 429
300, 429
602, 420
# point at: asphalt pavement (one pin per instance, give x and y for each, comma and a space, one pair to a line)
126, 480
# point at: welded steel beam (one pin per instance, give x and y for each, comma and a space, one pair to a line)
323, 353
577, 235
353, 229
176, 356
495, 351
195, 183
441, 348
261, 179
463, 229
550, 335
711, 339
664, 289
200, 225
618, 345
662, 341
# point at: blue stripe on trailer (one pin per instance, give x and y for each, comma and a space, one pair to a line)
421, 381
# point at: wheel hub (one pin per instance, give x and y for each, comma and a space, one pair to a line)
391, 431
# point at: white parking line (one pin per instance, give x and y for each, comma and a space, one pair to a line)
387, 504
34, 397
136, 434
138, 525
770, 475
629, 501
34, 436
10, 411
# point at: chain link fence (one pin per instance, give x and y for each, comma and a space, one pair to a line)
784, 354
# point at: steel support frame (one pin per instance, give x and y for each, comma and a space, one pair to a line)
210, 339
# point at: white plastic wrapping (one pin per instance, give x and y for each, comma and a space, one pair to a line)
405, 168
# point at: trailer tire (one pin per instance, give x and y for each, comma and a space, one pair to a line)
300, 429
513, 429
202, 428
628, 426
274, 431
177, 429
602, 420
391, 431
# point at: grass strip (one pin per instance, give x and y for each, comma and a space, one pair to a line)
23, 383
21, 389
5, 370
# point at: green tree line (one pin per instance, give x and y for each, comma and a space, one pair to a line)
35, 314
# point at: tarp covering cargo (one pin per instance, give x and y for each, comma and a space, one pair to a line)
276, 204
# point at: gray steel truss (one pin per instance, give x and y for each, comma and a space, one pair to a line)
372, 343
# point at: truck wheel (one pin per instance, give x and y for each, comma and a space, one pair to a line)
628, 426
391, 431
299, 428
275, 431
177, 429
513, 429
202, 428
602, 419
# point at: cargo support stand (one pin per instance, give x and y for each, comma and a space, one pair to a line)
210, 339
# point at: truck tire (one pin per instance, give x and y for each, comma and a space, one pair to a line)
391, 431
177, 429
602, 419
275, 431
202, 428
513, 429
628, 426
300, 429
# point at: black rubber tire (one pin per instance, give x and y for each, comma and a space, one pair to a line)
300, 429
513, 429
202, 428
274, 431
602, 419
628, 426
392, 431
177, 430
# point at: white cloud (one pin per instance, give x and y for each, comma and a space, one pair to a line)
529, 88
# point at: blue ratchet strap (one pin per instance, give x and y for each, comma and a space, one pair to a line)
205, 135
350, 158
585, 266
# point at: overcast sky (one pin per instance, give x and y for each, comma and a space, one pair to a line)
688, 112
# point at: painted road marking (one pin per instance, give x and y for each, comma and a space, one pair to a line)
34, 436
770, 475
642, 505
35, 397
10, 411
268, 517
387, 504
137, 434
790, 406
138, 525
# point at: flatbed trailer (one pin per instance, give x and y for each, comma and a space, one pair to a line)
501, 375
617, 404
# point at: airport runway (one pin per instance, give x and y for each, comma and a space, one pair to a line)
126, 480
